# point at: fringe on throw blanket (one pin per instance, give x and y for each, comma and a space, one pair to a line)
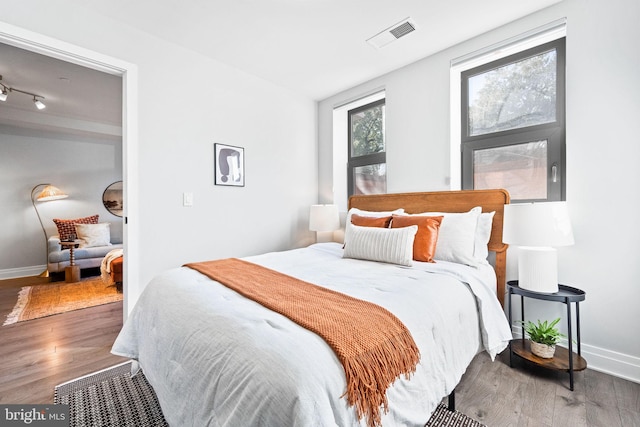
368, 382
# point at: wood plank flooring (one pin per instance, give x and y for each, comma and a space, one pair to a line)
37, 355
529, 396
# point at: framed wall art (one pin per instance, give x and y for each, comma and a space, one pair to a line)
229, 165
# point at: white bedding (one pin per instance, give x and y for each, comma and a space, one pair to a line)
215, 358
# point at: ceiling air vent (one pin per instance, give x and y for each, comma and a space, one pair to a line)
392, 33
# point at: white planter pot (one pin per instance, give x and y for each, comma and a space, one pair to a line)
543, 350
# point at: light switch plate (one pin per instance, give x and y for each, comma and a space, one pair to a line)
187, 199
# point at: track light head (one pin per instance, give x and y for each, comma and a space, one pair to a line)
38, 103
6, 89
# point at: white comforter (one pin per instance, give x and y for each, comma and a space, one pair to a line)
215, 358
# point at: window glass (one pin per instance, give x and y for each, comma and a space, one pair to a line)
366, 167
512, 96
370, 179
521, 169
367, 131
513, 124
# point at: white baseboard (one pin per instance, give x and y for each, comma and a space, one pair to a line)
611, 362
602, 360
12, 273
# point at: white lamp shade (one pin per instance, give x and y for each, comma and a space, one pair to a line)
537, 228
324, 218
545, 224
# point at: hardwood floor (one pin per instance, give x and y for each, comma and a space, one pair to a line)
528, 396
38, 354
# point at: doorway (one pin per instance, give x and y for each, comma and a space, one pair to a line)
57, 49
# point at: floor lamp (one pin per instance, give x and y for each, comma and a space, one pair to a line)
48, 193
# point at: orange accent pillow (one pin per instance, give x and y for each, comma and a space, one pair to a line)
424, 245
371, 221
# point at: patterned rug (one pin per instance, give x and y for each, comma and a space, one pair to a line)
442, 417
111, 398
52, 298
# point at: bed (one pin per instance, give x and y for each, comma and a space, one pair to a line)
216, 358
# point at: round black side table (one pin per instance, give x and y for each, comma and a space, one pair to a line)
564, 359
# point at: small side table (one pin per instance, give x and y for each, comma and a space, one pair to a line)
72, 271
563, 360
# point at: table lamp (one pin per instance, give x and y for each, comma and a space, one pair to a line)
537, 229
324, 219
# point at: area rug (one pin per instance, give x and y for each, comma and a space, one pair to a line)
59, 297
111, 397
442, 417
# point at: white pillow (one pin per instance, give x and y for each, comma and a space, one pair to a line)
94, 234
457, 235
391, 245
483, 235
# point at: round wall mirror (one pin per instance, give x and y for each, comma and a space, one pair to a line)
112, 198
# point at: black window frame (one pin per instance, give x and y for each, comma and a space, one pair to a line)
554, 132
367, 159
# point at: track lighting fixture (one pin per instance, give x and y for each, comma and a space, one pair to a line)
7, 89
38, 103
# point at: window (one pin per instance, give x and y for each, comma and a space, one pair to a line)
513, 124
366, 166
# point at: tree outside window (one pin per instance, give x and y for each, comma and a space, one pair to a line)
513, 131
367, 171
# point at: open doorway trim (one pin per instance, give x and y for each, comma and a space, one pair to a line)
34, 42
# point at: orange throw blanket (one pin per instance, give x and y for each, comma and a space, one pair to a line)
373, 345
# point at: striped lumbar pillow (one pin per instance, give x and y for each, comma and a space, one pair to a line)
394, 246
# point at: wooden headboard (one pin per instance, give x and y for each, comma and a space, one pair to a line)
449, 201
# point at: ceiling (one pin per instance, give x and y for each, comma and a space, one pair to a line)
79, 100
315, 48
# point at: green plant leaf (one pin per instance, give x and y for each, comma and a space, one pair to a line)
543, 332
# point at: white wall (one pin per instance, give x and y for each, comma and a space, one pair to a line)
186, 103
603, 105
82, 167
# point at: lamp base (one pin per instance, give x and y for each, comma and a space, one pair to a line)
324, 236
538, 269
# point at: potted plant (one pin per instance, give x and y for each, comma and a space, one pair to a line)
544, 336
